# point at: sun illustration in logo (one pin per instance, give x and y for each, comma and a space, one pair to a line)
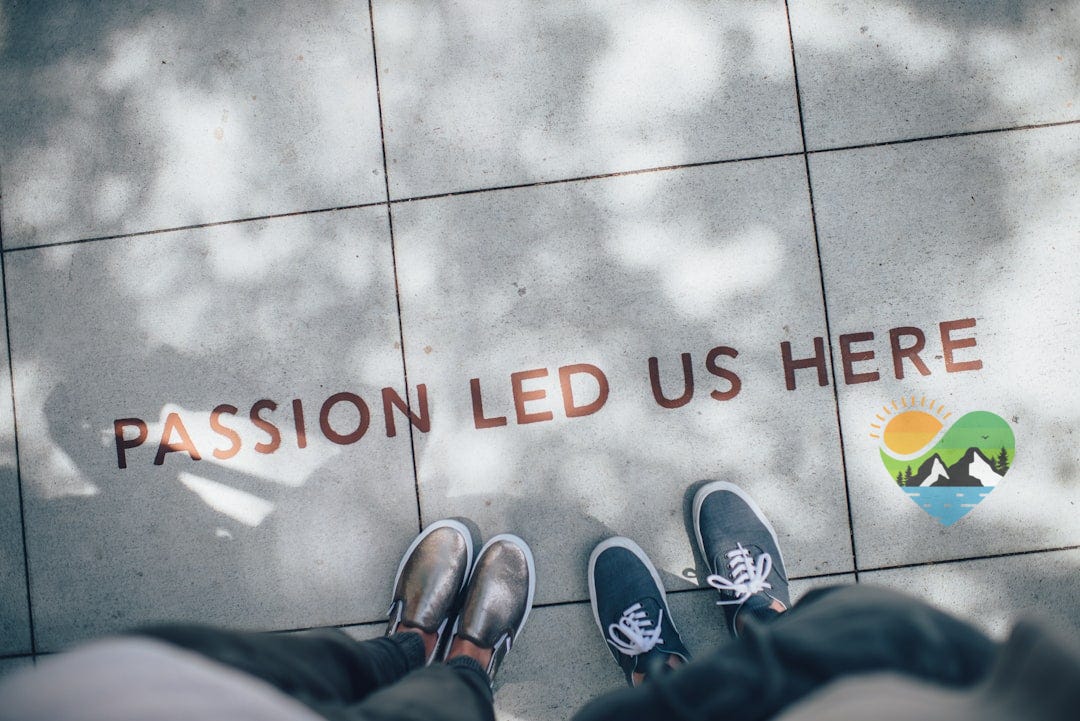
947, 469
909, 425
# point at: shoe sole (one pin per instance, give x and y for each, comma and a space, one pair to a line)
446, 523
524, 547
629, 545
710, 488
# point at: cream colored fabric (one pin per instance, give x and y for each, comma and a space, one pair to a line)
885, 697
140, 680
1036, 677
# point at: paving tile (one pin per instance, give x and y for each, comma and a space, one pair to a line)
182, 323
993, 592
894, 69
365, 631
149, 114
11, 665
537, 683
610, 273
558, 665
14, 616
980, 229
541, 91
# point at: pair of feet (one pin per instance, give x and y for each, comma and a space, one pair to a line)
740, 549
487, 601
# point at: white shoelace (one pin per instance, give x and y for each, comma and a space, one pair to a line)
632, 635
747, 576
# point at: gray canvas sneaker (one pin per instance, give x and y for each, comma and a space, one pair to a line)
430, 578
742, 553
631, 609
498, 599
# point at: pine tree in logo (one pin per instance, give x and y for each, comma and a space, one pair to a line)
907, 476
900, 479
1001, 463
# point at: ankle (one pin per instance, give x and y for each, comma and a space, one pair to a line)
764, 613
430, 639
462, 647
638, 677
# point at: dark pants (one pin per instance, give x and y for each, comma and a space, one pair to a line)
832, 633
343, 679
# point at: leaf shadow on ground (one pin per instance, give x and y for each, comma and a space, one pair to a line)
613, 271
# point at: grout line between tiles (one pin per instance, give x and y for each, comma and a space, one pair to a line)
596, 176
824, 300
196, 226
944, 136
987, 557
15, 433
810, 577
557, 181
397, 286
745, 159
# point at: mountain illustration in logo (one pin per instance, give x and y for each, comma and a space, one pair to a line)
946, 470
973, 469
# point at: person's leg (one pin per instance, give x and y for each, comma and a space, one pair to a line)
459, 690
830, 634
493, 613
325, 669
630, 608
779, 655
318, 668
742, 553
345, 680
496, 605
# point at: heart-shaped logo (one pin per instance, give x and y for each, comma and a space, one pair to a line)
947, 469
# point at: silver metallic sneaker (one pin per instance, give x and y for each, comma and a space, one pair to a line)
430, 578
498, 599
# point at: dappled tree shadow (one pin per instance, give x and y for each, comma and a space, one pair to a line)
113, 139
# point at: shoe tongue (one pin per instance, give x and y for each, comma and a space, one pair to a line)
754, 550
651, 607
723, 561
654, 660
